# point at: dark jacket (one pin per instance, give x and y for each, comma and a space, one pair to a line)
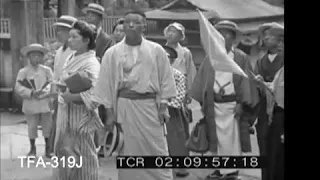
205, 78
103, 42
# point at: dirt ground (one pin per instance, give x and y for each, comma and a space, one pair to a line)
15, 143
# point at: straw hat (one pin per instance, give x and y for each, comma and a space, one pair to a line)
65, 21
34, 47
230, 26
178, 26
113, 142
274, 28
93, 7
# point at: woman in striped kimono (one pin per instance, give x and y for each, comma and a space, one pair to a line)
76, 121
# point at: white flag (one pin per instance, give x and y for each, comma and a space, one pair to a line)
214, 46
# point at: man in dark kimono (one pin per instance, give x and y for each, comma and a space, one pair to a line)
94, 15
267, 67
223, 96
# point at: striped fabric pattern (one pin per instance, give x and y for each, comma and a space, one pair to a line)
76, 124
84, 140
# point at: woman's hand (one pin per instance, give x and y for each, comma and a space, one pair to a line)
67, 97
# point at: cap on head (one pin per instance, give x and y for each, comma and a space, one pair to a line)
65, 21
274, 28
34, 48
172, 53
178, 26
225, 24
93, 7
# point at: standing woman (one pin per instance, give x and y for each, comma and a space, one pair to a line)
75, 117
117, 30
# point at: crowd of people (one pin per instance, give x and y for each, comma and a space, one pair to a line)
145, 88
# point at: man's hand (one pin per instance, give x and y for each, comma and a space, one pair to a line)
259, 78
164, 116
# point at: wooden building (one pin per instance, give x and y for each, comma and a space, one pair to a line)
248, 14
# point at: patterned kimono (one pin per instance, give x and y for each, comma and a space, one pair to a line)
79, 120
143, 69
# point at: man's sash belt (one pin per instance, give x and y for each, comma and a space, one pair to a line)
133, 95
224, 98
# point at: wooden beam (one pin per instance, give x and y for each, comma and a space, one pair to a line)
26, 27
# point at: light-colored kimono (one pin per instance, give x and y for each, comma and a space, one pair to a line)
79, 120
147, 70
59, 61
184, 63
227, 126
41, 76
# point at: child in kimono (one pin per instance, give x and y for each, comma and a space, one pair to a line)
31, 84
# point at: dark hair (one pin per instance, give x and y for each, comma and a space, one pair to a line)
142, 14
119, 21
86, 31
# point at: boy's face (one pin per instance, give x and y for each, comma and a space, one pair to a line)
35, 57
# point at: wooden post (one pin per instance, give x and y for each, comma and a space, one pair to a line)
26, 25
70, 7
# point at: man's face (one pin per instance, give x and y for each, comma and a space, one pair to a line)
134, 25
250, 38
62, 34
93, 18
35, 58
271, 41
228, 35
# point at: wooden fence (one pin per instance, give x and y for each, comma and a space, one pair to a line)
49, 32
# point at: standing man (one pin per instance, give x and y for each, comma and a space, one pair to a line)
94, 15
135, 85
223, 96
63, 26
267, 67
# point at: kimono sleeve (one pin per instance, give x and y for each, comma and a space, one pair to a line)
191, 69
104, 91
93, 70
196, 91
24, 92
166, 78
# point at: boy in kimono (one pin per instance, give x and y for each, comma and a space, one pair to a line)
32, 84
223, 97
